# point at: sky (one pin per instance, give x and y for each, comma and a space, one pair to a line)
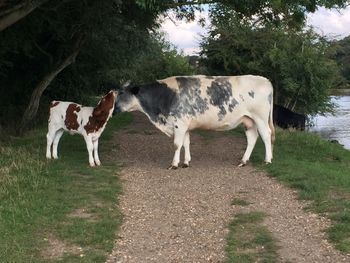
186, 36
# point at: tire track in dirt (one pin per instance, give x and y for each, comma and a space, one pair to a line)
182, 215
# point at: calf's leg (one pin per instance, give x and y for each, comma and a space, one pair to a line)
97, 159
56, 140
90, 148
49, 139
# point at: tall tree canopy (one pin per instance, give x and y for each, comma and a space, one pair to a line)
293, 59
73, 46
36, 49
293, 12
340, 52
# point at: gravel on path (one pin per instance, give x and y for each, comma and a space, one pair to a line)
183, 215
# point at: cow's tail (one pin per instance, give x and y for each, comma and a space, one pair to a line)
272, 127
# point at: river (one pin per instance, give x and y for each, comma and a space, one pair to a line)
335, 127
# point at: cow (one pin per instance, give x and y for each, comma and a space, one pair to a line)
179, 104
286, 118
77, 119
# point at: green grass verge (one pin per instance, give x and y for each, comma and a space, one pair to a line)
248, 241
320, 170
240, 202
41, 202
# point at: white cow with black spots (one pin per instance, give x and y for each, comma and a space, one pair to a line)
176, 105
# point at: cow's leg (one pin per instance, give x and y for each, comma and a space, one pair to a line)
58, 136
97, 159
265, 133
187, 150
179, 136
252, 135
90, 148
49, 139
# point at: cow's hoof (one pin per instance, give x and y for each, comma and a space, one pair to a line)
185, 165
241, 164
172, 167
98, 163
267, 163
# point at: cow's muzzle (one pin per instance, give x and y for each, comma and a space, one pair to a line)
116, 110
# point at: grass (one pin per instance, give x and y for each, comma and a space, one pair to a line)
40, 200
240, 202
248, 241
320, 171
208, 135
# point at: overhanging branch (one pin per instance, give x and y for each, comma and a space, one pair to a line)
14, 13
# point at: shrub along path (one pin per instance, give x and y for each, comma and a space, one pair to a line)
183, 215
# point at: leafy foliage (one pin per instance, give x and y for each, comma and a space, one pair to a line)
158, 59
340, 52
116, 45
115, 41
292, 13
293, 60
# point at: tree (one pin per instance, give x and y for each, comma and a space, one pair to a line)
36, 49
159, 59
292, 12
340, 52
13, 11
33, 105
292, 59
71, 46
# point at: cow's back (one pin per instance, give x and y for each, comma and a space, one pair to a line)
239, 83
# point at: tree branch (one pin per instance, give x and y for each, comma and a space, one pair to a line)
33, 104
16, 13
43, 51
199, 2
12, 8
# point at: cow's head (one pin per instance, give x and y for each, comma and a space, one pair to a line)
127, 100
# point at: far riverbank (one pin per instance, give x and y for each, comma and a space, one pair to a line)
340, 92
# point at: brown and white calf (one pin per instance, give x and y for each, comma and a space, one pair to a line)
74, 118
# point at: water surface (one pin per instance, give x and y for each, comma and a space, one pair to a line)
335, 127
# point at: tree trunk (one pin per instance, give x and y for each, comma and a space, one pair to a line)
33, 105
12, 14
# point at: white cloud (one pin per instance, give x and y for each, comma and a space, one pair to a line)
331, 22
185, 36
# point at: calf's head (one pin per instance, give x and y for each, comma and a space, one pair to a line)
105, 106
101, 113
127, 100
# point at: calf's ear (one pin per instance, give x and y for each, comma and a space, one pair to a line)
135, 90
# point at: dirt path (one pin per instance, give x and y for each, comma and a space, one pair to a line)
182, 215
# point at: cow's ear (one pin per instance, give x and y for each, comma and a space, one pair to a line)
135, 90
